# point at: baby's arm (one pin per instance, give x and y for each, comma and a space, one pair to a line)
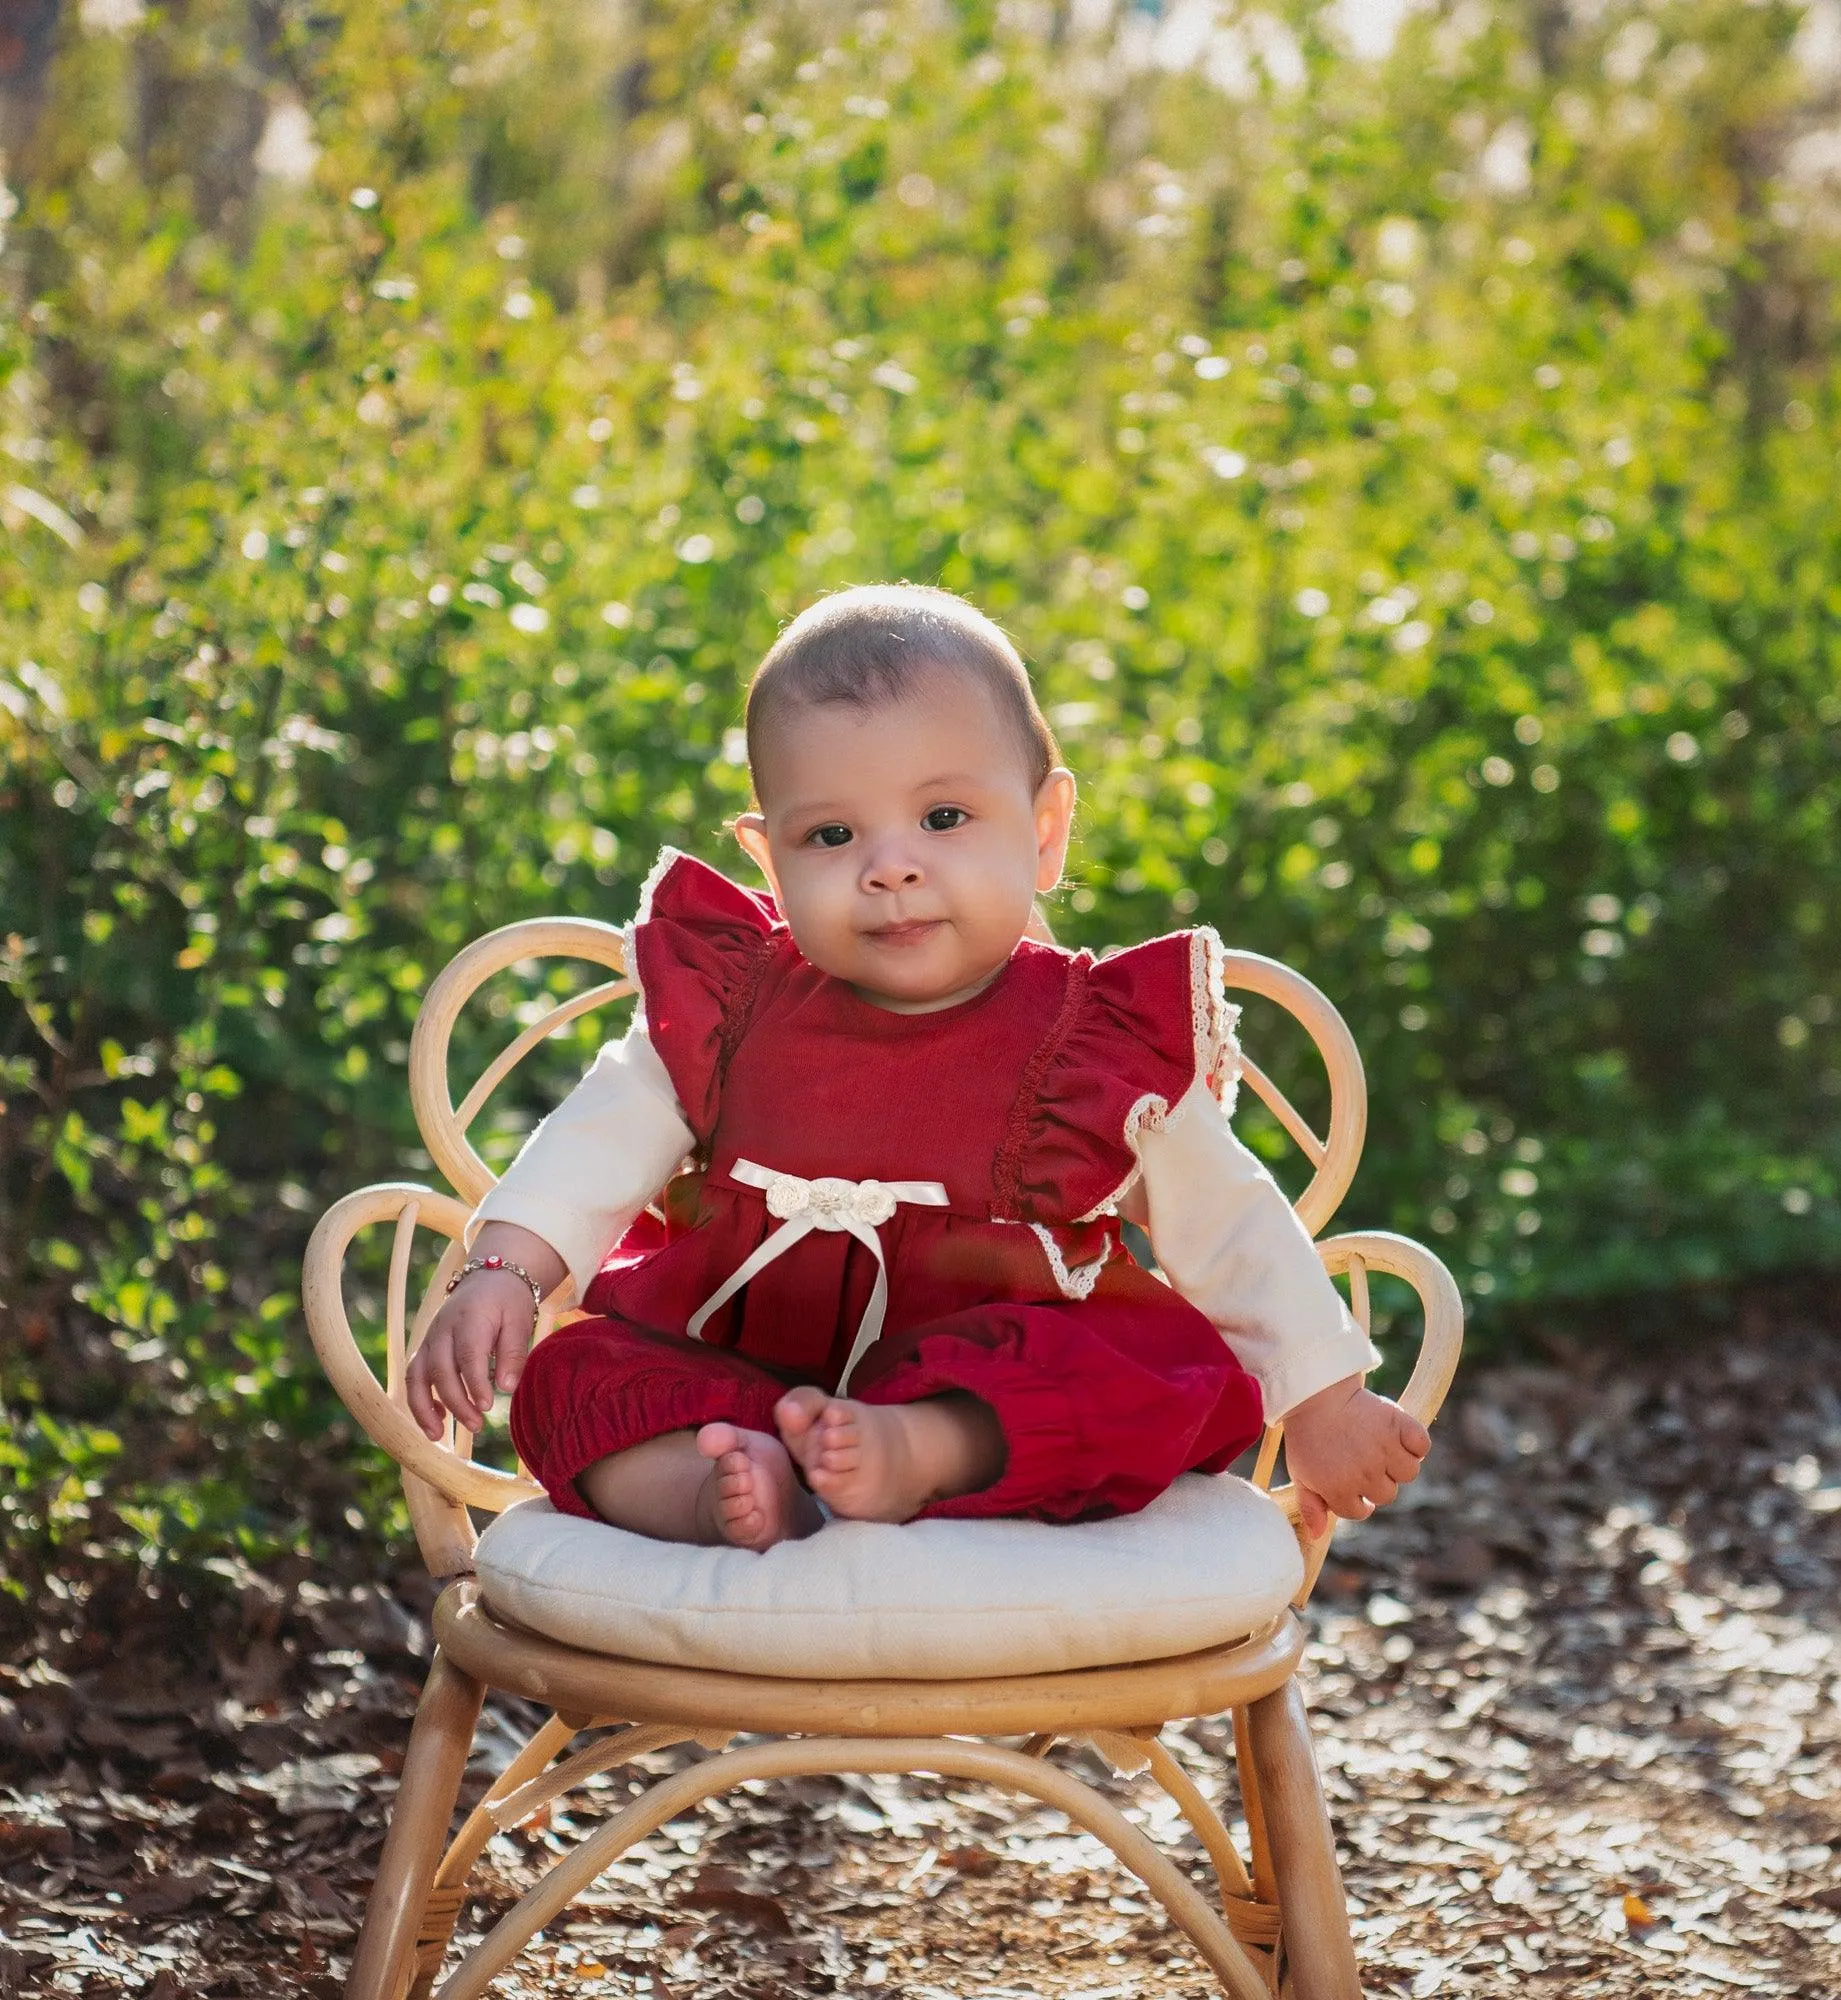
579, 1181
1231, 1243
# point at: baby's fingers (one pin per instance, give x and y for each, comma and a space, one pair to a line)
422, 1405
508, 1356
1403, 1463
474, 1347
448, 1378
1345, 1500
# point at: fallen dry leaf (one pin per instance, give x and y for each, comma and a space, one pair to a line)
1637, 1914
970, 1860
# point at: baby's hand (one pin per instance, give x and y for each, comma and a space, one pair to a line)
476, 1345
1350, 1451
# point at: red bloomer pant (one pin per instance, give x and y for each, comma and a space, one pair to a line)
1102, 1406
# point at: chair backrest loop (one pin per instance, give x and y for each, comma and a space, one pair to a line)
443, 1129
1335, 1157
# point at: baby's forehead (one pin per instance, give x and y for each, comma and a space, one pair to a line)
942, 707
944, 689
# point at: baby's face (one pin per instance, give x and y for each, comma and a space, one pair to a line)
904, 843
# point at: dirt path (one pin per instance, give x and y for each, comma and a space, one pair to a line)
1579, 1708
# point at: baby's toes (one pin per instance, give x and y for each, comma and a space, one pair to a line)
841, 1448
719, 1441
828, 1475
796, 1412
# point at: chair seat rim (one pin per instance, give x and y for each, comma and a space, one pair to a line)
1140, 1694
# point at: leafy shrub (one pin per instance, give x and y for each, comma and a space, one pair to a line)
1414, 491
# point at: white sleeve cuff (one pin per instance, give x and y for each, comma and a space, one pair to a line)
1299, 1376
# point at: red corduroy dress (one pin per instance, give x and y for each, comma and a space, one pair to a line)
1017, 1102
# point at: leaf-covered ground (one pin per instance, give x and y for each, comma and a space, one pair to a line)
1578, 1702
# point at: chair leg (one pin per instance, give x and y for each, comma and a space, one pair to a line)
383, 1962
1318, 1949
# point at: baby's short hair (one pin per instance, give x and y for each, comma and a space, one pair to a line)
871, 644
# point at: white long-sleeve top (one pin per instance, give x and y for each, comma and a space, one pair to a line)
1224, 1233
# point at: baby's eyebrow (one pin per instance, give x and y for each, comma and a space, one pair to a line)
817, 811
811, 809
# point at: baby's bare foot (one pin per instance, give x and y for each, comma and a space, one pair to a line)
752, 1497
885, 1462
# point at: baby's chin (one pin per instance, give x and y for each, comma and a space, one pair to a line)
916, 988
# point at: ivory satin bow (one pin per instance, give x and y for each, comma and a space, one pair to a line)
800, 1206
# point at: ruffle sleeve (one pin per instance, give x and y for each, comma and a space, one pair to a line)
1137, 1030
697, 949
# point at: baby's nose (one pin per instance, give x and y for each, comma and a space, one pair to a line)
891, 870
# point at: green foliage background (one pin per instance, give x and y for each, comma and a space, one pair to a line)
1411, 478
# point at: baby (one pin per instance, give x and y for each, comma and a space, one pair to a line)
844, 1205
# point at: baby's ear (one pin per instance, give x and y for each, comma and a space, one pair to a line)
1054, 810
750, 829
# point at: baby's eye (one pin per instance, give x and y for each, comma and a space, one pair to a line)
834, 835
942, 819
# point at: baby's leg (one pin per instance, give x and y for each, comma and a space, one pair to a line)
1098, 1405
658, 1434
871, 1462
717, 1484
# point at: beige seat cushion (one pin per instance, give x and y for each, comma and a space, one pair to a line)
1210, 1561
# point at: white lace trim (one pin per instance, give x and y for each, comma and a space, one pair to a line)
1213, 1016
629, 932
1147, 1115
1077, 1283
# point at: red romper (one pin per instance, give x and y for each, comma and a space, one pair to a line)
1019, 1103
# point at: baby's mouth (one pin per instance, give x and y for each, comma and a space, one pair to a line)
913, 931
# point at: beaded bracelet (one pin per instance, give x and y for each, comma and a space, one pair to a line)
501, 1264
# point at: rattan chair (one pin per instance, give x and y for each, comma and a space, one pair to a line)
1273, 1922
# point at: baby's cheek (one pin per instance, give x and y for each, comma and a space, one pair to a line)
994, 908
815, 924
